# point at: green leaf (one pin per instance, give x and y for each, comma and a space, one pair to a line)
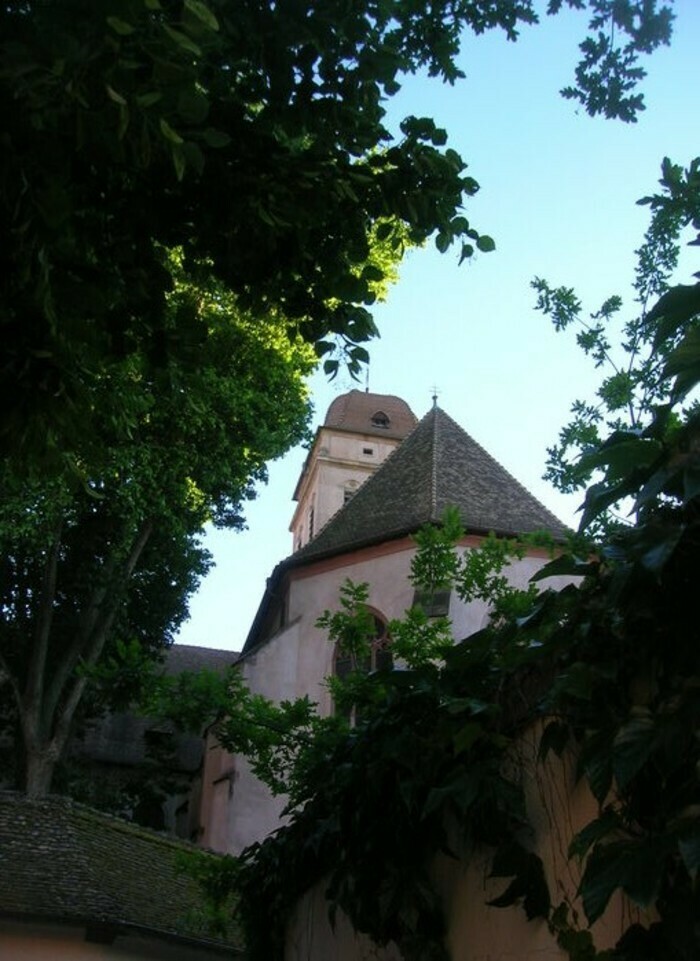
150, 98
632, 746
684, 363
674, 309
443, 241
529, 883
485, 243
594, 832
635, 867
193, 106
202, 13
169, 133
114, 96
216, 138
182, 40
466, 737
567, 565
179, 161
622, 453
555, 737
121, 27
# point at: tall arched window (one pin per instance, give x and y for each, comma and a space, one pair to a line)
379, 658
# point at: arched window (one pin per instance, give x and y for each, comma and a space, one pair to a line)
379, 658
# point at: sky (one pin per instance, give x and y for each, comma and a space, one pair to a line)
558, 194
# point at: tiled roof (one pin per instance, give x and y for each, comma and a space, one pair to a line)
355, 410
119, 738
438, 465
63, 862
187, 657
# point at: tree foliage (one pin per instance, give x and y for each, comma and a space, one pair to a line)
639, 357
253, 139
106, 549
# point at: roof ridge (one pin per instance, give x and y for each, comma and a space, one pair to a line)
434, 471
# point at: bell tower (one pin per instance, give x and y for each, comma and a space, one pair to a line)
358, 434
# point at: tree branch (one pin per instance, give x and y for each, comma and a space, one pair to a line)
91, 636
37, 666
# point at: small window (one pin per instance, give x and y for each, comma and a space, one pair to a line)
434, 603
311, 523
348, 495
380, 419
368, 450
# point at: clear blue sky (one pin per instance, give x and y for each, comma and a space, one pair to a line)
558, 194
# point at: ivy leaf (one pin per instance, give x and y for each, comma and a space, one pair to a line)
634, 866
555, 737
593, 832
632, 746
529, 882
460, 789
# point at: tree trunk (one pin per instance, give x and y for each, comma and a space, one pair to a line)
39, 767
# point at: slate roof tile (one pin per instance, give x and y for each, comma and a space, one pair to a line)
438, 465
63, 862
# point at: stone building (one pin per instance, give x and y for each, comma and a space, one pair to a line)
374, 476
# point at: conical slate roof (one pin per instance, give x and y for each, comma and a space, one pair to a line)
437, 465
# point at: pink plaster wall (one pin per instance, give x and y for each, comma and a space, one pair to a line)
557, 809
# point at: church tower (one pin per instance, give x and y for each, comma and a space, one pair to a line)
358, 434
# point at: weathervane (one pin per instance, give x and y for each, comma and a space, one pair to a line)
436, 392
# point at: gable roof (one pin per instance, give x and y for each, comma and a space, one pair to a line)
64, 862
437, 466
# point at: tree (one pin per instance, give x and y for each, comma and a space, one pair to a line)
253, 139
188, 196
635, 385
107, 551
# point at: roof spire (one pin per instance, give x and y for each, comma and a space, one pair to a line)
435, 395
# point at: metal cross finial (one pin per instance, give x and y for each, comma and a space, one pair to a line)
436, 393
